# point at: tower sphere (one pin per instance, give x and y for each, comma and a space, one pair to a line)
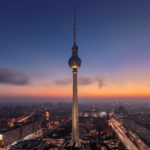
75, 61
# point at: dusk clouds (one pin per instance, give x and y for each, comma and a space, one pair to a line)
13, 77
82, 81
17, 77
100, 82
85, 80
63, 82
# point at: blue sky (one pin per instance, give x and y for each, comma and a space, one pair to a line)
113, 37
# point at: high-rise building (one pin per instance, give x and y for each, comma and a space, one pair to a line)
75, 63
47, 115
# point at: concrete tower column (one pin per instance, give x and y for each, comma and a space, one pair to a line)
75, 121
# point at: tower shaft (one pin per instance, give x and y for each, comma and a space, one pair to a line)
75, 63
75, 121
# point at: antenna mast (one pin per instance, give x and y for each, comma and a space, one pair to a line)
75, 17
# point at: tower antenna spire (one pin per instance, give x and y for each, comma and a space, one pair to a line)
75, 18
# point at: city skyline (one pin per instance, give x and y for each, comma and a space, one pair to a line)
36, 40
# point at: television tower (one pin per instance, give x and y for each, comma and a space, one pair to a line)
75, 63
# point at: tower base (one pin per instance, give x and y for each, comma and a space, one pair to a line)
75, 144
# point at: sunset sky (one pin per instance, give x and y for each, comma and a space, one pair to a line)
36, 38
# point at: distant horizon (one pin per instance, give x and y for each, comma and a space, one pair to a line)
28, 100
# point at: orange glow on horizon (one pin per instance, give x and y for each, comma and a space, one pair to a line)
113, 88
89, 94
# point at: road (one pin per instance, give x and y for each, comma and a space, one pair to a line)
122, 135
141, 145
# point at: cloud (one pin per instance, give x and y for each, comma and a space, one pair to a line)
83, 80
13, 77
63, 81
100, 82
